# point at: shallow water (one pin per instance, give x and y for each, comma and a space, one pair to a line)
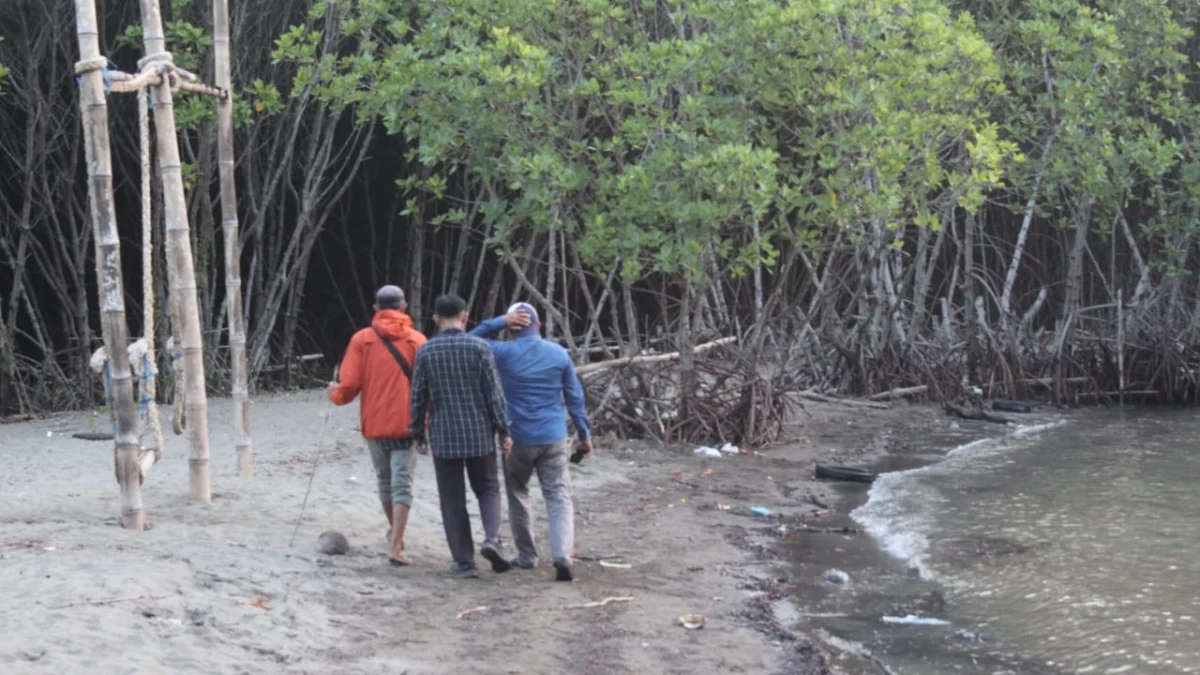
1068, 549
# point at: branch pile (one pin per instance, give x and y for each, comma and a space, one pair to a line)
729, 399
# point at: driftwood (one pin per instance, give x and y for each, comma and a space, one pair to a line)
974, 414
651, 358
602, 603
811, 395
900, 393
472, 611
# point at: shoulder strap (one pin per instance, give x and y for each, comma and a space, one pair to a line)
395, 353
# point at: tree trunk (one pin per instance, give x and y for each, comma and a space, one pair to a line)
240, 388
551, 256
179, 248
108, 263
968, 280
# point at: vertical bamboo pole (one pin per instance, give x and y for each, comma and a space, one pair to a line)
233, 249
1121, 346
94, 111
179, 249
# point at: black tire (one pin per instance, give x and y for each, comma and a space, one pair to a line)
844, 473
1005, 405
93, 436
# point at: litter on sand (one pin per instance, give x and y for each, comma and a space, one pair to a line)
913, 620
615, 565
474, 610
729, 449
705, 451
692, 621
760, 511
602, 603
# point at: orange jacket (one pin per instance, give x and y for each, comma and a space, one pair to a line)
369, 367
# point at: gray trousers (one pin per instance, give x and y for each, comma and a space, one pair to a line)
395, 461
550, 463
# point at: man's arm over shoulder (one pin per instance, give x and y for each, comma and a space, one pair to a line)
489, 329
350, 373
574, 397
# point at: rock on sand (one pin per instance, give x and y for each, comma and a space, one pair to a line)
332, 543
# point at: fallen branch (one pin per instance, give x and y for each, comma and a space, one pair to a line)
108, 601
472, 611
597, 558
974, 414
808, 529
603, 603
651, 358
900, 393
821, 398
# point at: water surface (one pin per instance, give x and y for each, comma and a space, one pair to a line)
1072, 549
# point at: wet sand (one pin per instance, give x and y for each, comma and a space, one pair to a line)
217, 589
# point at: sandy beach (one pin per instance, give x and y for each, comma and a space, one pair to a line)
217, 589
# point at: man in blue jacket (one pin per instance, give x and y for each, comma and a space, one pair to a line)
541, 387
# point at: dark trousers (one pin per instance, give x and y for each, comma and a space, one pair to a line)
452, 493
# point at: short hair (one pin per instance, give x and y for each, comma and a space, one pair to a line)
389, 297
449, 306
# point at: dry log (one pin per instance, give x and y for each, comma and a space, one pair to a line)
651, 358
821, 398
900, 393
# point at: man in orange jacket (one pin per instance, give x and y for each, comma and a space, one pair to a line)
378, 363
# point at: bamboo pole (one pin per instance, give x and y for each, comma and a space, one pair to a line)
94, 113
179, 249
233, 248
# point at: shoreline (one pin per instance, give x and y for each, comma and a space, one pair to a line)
216, 589
848, 621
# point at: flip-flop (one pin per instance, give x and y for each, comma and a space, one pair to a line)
397, 563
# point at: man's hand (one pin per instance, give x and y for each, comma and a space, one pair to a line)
506, 446
516, 320
421, 447
583, 450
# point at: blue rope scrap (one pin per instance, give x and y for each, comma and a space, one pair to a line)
143, 402
104, 75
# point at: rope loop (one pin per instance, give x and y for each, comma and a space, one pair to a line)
91, 65
157, 60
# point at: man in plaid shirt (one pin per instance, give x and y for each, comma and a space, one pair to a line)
456, 396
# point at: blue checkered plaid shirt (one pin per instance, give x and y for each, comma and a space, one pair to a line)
456, 389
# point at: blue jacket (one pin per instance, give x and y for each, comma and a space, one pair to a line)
538, 378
